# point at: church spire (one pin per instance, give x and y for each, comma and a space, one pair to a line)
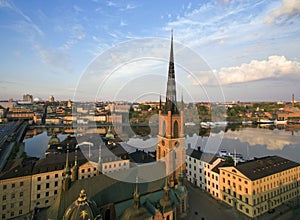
136, 195
74, 170
171, 84
166, 190
66, 182
100, 159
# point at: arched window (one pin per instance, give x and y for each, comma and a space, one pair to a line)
176, 129
164, 128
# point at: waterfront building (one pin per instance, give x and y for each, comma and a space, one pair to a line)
30, 183
15, 188
200, 171
260, 185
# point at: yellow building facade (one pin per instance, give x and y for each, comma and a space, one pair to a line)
260, 185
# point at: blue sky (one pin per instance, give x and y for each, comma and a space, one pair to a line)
252, 47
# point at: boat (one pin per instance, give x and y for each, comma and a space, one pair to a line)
280, 122
246, 122
189, 124
265, 121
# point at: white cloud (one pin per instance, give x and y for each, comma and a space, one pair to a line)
111, 4
58, 60
273, 67
288, 10
77, 9
123, 23
27, 20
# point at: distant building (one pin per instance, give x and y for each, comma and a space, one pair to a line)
51, 99
27, 98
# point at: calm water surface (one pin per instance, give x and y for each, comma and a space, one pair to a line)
250, 142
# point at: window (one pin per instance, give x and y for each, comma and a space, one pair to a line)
47, 194
56, 183
20, 212
21, 203
82, 171
12, 214
38, 187
4, 197
3, 207
21, 194
55, 192
21, 183
38, 196
246, 190
12, 205
47, 185
13, 185
12, 196
89, 169
39, 178
4, 187
47, 177
3, 216
56, 175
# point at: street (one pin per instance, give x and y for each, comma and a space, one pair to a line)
203, 207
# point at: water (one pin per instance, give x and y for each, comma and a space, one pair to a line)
248, 141
37, 145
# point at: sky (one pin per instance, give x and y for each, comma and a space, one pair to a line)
248, 49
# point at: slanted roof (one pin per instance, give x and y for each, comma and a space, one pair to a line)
221, 164
200, 155
104, 190
265, 166
57, 162
18, 168
141, 157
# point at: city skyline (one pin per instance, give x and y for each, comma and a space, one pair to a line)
250, 46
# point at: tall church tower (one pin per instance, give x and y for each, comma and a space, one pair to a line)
170, 147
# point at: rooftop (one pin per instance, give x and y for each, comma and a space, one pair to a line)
200, 155
265, 166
